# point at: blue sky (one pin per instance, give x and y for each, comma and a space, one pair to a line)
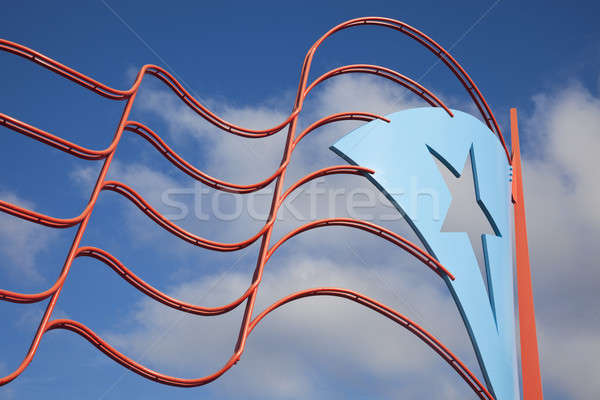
243, 61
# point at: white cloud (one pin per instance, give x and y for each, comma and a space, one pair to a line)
562, 140
7, 393
570, 359
21, 241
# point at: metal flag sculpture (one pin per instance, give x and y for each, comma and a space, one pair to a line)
390, 151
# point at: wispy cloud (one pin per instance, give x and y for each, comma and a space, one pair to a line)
562, 194
22, 241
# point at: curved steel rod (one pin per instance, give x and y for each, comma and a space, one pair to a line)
138, 200
90, 154
393, 315
224, 186
375, 229
71, 255
176, 230
116, 94
387, 73
266, 250
147, 133
438, 51
168, 79
144, 287
356, 297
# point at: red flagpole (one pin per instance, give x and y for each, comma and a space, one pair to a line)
530, 363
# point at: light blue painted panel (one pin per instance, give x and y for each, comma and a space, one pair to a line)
400, 152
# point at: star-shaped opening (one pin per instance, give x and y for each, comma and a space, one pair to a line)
465, 213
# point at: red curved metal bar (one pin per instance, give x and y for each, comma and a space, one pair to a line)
71, 255
189, 100
132, 365
387, 73
356, 297
138, 200
266, 250
395, 316
176, 230
147, 289
438, 51
55, 141
147, 133
150, 291
375, 229
224, 186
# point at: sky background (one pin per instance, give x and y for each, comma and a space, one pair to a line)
243, 60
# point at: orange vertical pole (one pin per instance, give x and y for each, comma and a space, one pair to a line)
530, 363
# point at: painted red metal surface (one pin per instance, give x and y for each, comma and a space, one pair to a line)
530, 361
264, 234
